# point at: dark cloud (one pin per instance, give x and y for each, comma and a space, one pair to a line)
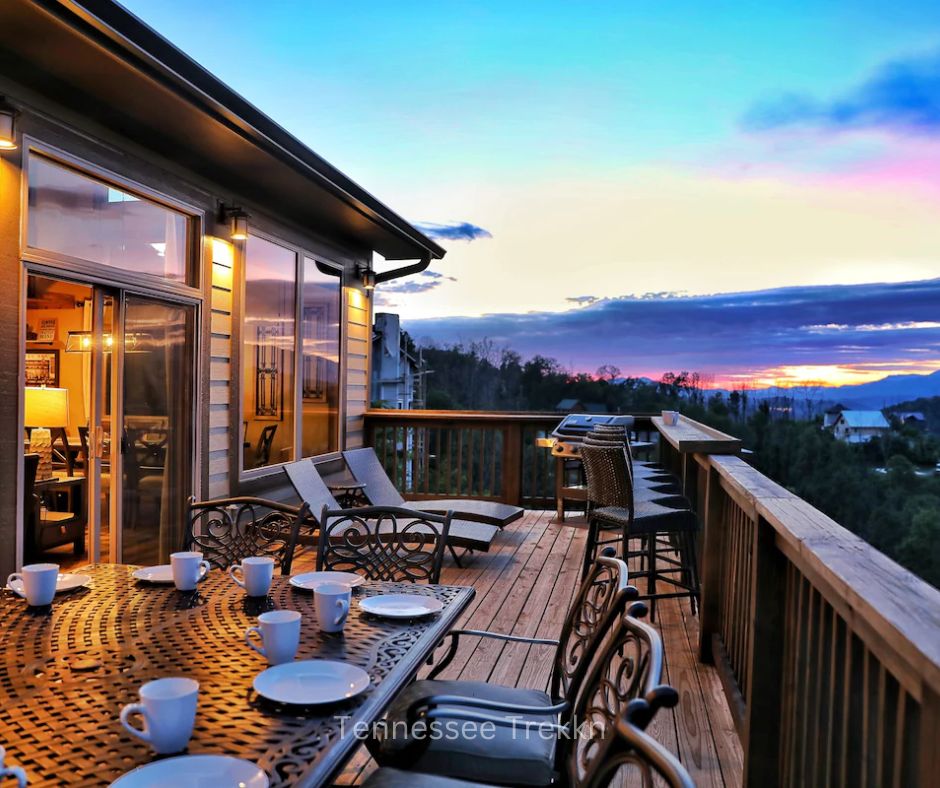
903, 96
453, 231
723, 334
582, 300
420, 283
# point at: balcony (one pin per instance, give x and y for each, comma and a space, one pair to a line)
814, 658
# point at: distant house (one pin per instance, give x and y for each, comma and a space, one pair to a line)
860, 426
831, 416
572, 405
398, 376
913, 418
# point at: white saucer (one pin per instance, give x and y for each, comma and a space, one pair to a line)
401, 605
162, 574
310, 580
311, 681
195, 771
64, 582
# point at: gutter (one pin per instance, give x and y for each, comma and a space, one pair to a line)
405, 270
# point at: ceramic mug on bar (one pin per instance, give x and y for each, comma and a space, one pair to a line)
38, 583
256, 572
670, 418
332, 603
188, 570
168, 709
11, 771
279, 631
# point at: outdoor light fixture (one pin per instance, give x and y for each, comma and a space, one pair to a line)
367, 275
7, 126
238, 221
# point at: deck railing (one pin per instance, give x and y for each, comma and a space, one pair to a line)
828, 651
470, 454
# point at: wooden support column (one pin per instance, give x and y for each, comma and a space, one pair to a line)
713, 546
762, 722
512, 464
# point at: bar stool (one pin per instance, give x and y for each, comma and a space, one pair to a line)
615, 508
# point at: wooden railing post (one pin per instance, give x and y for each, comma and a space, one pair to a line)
512, 464
712, 541
762, 722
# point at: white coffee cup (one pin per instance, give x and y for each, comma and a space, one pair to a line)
39, 583
11, 771
168, 708
188, 570
332, 603
670, 418
257, 573
279, 631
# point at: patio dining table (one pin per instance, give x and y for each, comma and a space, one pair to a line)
66, 671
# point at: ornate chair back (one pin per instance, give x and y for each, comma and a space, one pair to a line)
227, 530
601, 599
623, 687
383, 543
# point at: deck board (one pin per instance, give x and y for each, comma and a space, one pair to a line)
524, 586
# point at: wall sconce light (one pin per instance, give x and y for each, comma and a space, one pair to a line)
7, 126
237, 220
367, 275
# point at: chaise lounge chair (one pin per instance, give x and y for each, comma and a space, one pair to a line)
313, 491
379, 490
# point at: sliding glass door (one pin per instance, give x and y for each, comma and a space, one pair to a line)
156, 402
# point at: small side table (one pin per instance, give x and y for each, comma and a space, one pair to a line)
349, 495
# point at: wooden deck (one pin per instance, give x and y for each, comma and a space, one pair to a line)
524, 586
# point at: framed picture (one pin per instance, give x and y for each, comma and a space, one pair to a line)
42, 367
314, 366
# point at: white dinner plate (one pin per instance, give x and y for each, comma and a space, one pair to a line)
154, 574
195, 771
311, 681
401, 605
64, 582
310, 580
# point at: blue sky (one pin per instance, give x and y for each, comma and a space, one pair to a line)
648, 147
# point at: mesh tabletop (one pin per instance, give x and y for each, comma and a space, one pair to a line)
65, 673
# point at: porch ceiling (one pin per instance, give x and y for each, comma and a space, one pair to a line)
100, 61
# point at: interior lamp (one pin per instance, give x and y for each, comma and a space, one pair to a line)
46, 409
7, 126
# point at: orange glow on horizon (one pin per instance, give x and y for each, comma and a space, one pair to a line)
823, 375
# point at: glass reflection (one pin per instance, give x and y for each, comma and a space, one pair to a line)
320, 312
73, 214
268, 358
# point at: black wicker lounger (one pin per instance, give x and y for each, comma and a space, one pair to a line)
312, 490
365, 466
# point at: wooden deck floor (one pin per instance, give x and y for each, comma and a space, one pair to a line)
524, 586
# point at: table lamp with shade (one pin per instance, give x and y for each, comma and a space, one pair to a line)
46, 409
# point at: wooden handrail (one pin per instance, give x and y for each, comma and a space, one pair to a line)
828, 651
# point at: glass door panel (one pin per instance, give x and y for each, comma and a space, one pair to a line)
157, 370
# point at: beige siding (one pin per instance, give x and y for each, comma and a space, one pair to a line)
220, 371
358, 345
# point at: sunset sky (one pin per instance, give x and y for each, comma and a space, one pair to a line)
708, 186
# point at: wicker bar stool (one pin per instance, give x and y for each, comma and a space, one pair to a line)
643, 476
615, 509
616, 431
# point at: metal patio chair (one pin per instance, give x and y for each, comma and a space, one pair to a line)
621, 683
226, 530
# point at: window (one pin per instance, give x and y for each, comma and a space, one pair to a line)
320, 312
278, 366
79, 216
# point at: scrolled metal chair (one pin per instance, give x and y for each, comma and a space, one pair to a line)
600, 601
226, 530
383, 543
601, 733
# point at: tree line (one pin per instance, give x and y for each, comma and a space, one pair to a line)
872, 489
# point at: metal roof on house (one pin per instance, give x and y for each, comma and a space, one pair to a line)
864, 419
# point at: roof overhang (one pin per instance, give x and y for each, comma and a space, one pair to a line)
97, 59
